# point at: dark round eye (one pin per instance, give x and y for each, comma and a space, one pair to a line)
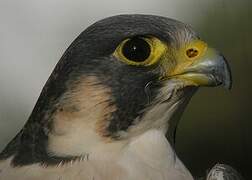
136, 49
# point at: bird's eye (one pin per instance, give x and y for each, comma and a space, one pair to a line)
136, 49
140, 50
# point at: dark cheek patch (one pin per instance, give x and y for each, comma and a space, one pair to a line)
129, 97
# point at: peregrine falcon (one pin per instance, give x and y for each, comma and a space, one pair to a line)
110, 108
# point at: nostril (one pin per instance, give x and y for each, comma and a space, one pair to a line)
192, 52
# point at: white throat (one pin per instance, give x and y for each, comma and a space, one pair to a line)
147, 156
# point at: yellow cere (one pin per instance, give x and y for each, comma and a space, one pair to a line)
188, 54
196, 46
157, 48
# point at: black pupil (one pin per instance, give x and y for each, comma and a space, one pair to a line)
136, 49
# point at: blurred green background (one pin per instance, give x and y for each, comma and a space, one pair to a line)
216, 126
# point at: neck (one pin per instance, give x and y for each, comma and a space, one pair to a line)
164, 113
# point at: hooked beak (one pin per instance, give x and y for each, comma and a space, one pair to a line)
207, 67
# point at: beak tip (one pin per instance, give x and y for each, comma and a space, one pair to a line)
227, 75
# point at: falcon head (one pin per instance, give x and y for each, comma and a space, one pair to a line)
121, 77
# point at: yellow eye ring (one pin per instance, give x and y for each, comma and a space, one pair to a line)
140, 51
